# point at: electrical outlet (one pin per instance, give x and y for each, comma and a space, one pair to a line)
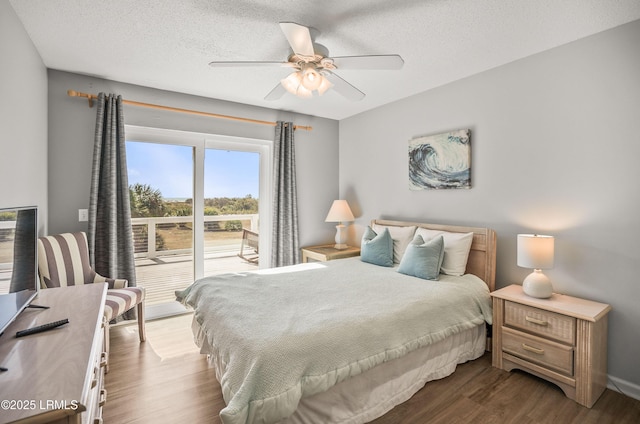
83, 215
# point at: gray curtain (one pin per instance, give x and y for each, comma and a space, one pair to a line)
285, 248
110, 236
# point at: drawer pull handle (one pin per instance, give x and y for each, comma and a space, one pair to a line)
536, 321
532, 349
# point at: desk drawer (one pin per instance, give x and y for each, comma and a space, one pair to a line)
546, 353
537, 321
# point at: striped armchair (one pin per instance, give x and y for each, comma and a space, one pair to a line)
63, 260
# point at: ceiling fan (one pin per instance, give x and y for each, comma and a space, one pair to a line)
313, 70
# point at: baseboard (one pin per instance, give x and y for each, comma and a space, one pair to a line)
625, 387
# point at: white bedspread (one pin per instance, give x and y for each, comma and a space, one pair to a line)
282, 334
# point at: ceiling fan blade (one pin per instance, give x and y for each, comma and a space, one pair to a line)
277, 92
216, 64
299, 38
381, 62
343, 87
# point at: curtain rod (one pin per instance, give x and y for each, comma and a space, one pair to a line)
91, 97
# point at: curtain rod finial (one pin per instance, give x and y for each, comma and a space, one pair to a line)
74, 93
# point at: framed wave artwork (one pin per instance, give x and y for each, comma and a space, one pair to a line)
441, 161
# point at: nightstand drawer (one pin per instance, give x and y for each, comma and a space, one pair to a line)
538, 321
549, 354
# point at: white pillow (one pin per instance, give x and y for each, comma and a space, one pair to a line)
456, 249
401, 236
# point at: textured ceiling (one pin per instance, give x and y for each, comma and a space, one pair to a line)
168, 44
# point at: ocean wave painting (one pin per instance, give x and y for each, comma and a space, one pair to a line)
440, 161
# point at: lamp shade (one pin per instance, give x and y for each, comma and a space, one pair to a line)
535, 251
339, 212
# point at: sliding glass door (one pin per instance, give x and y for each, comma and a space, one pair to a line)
199, 206
231, 207
161, 190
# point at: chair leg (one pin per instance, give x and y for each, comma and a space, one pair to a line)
106, 344
141, 329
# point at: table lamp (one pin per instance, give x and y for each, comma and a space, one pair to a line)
340, 212
536, 251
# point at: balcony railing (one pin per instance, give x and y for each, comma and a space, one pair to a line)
164, 251
173, 235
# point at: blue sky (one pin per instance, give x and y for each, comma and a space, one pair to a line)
169, 168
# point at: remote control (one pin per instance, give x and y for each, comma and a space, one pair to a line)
41, 328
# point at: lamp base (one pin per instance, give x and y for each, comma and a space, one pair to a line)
537, 285
341, 237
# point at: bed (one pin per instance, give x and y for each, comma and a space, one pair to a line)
342, 341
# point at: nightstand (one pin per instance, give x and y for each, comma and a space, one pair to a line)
327, 253
562, 339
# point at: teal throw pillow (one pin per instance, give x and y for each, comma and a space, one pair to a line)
423, 260
377, 248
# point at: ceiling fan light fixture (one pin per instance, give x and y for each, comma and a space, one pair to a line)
303, 92
311, 79
291, 82
325, 84
305, 81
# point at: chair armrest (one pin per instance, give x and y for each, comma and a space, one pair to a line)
118, 283
114, 283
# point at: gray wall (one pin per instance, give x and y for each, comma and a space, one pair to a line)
555, 150
72, 124
23, 118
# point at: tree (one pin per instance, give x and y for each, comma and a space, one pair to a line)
145, 201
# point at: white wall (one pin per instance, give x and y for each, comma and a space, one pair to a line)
71, 133
23, 118
555, 150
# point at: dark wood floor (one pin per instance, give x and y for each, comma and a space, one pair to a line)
166, 380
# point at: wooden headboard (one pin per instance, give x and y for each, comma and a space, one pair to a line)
482, 257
